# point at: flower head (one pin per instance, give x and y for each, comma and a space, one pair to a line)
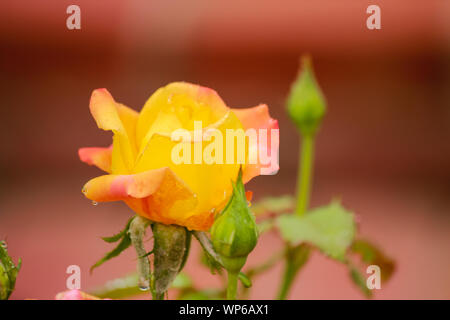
140, 162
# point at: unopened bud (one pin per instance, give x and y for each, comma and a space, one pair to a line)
234, 233
306, 104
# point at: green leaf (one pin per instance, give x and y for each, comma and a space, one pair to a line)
182, 281
330, 228
372, 255
120, 235
146, 255
264, 226
123, 244
8, 272
277, 205
127, 286
119, 288
360, 281
246, 282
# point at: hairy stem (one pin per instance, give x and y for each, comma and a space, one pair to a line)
137, 233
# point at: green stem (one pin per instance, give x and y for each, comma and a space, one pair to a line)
296, 257
159, 296
305, 173
288, 278
232, 285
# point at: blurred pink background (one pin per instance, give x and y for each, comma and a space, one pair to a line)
383, 148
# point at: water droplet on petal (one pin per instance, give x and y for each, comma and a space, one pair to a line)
94, 203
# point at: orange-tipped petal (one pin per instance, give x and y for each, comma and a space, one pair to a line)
99, 157
258, 118
158, 195
110, 115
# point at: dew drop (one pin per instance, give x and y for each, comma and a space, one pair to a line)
94, 203
144, 284
143, 288
4, 245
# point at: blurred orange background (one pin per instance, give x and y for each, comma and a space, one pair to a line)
384, 146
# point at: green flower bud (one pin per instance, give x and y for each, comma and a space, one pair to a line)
234, 233
306, 104
8, 272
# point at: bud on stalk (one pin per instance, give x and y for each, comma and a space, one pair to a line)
234, 235
306, 104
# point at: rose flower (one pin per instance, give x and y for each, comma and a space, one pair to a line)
140, 163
